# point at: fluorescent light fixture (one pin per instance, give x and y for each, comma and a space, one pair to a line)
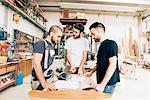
98, 7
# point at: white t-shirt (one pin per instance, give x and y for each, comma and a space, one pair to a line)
76, 46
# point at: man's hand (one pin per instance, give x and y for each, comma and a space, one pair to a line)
55, 73
80, 71
48, 86
99, 88
73, 69
88, 74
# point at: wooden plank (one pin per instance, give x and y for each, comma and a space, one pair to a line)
72, 21
130, 42
68, 95
136, 49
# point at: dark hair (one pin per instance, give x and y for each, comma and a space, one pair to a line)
96, 25
45, 35
79, 26
54, 29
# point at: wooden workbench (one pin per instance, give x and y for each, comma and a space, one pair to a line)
70, 89
68, 95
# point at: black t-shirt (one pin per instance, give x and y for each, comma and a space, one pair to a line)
107, 49
39, 47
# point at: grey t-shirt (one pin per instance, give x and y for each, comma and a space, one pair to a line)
39, 47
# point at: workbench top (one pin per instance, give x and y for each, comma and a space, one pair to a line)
68, 95
70, 90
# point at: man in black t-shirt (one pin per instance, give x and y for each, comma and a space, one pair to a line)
43, 55
107, 71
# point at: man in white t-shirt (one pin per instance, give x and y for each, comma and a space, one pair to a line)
77, 48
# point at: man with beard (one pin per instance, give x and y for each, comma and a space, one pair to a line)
43, 56
107, 70
77, 48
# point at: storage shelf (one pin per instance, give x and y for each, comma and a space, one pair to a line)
12, 82
11, 72
21, 4
24, 15
72, 21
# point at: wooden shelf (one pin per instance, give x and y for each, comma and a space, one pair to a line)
24, 65
24, 15
13, 82
72, 21
24, 50
21, 3
10, 67
8, 63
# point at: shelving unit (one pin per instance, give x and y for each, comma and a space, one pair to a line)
7, 85
24, 65
8, 72
23, 42
23, 13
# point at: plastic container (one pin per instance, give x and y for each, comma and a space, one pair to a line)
19, 80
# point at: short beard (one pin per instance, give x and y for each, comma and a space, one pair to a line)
97, 40
53, 42
76, 37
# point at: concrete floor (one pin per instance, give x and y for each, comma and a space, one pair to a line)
127, 89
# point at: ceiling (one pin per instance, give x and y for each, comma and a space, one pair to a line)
122, 7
